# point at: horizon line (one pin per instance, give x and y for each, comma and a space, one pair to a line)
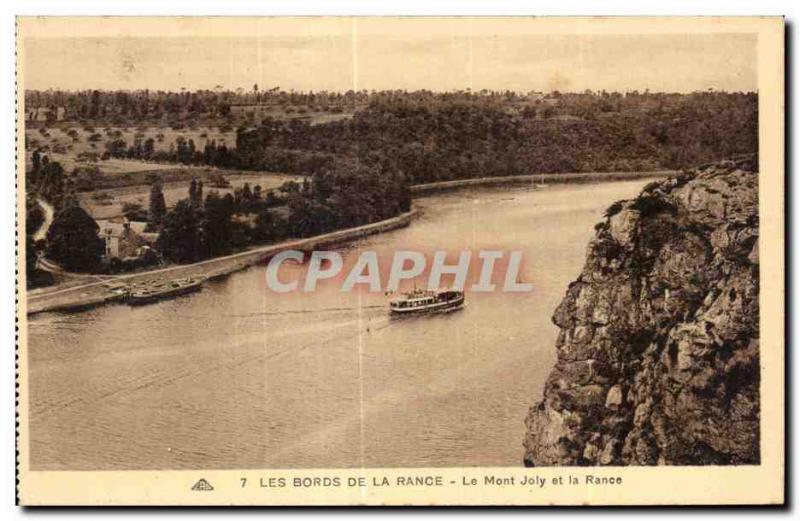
466, 90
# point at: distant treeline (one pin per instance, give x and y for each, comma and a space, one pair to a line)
467, 139
447, 137
123, 107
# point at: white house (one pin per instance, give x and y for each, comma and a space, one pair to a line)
122, 240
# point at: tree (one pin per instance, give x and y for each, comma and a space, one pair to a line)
158, 207
95, 106
73, 240
116, 147
134, 211
190, 151
36, 157
180, 240
183, 153
34, 217
217, 229
196, 193
290, 187
210, 152
194, 196
149, 148
51, 181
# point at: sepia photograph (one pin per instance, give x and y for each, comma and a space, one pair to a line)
388, 260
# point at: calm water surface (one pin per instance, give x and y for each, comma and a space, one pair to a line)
236, 377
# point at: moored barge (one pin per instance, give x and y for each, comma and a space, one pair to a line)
164, 290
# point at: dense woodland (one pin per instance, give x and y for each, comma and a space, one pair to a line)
468, 139
359, 168
440, 136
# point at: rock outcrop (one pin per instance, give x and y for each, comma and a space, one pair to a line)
658, 353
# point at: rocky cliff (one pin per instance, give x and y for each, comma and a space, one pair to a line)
658, 353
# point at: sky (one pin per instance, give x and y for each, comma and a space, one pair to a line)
343, 55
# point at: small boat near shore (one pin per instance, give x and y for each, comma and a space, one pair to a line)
164, 290
422, 301
117, 293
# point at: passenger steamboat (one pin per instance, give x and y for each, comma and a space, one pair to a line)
421, 301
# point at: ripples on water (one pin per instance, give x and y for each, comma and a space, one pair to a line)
236, 377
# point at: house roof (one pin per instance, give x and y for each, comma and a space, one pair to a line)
138, 226
116, 227
111, 228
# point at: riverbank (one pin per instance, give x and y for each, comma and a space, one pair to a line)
537, 179
103, 292
97, 293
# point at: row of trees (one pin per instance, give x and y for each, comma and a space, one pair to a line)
348, 194
151, 105
141, 105
182, 151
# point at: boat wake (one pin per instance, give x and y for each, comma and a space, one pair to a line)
300, 311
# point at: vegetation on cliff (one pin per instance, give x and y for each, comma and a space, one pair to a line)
658, 353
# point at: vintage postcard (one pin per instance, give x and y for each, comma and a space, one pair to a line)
400, 261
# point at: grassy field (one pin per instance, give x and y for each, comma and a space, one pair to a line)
108, 203
128, 180
67, 139
72, 139
74, 146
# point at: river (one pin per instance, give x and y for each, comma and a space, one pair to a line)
238, 377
